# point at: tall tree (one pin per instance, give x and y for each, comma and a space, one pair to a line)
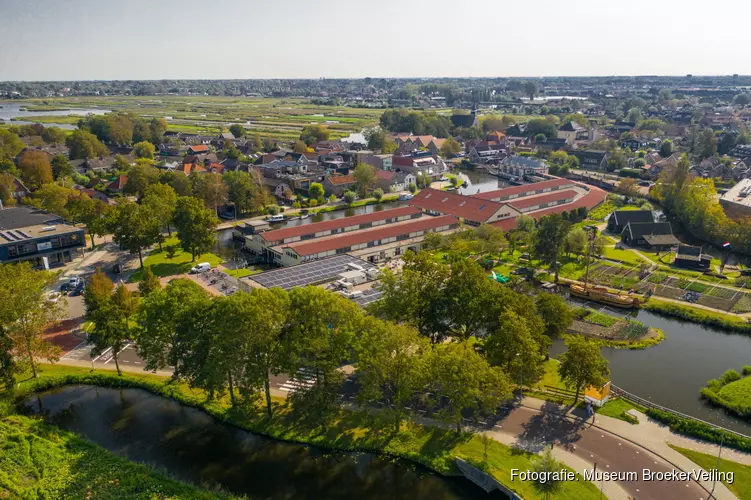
140, 177
53, 135
316, 192
25, 312
379, 140
149, 282
545, 465
8, 367
237, 130
161, 200
555, 313
84, 144
549, 240
582, 365
465, 381
450, 148
212, 190
111, 316
391, 366
179, 182
51, 197
10, 145
366, 176
164, 321
513, 347
94, 214
61, 167
312, 134
134, 228
531, 89
195, 225
576, 241
144, 149
666, 148
246, 191
35, 168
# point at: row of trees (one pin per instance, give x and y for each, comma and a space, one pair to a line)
124, 129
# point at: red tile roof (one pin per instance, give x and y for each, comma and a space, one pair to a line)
192, 167
118, 184
367, 235
199, 148
543, 198
342, 179
384, 175
594, 197
328, 225
216, 167
466, 207
521, 190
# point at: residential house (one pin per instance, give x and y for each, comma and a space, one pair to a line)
635, 143
391, 181
381, 162
517, 130
691, 257
338, 184
18, 189
465, 120
571, 132
198, 149
654, 235
118, 185
551, 145
422, 163
487, 152
494, 136
523, 166
592, 159
619, 219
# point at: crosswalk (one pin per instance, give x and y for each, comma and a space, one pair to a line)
303, 378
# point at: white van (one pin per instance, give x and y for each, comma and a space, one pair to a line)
201, 268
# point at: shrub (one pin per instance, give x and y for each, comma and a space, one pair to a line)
729, 376
694, 315
273, 209
630, 172
700, 430
746, 370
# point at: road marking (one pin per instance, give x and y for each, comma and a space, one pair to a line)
113, 356
102, 354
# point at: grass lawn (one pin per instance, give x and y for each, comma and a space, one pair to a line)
550, 378
503, 269
41, 461
616, 408
434, 447
741, 485
626, 256
161, 265
601, 319
245, 271
737, 393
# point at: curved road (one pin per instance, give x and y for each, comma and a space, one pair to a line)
534, 430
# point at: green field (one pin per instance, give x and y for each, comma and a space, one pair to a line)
161, 265
737, 395
617, 408
741, 485
281, 119
39, 461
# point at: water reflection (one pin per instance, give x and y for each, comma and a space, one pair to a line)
192, 446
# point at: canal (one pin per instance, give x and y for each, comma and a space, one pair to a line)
190, 445
11, 110
672, 372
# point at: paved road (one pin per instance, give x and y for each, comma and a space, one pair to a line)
535, 430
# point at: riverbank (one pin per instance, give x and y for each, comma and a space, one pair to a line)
433, 447
41, 461
731, 391
725, 321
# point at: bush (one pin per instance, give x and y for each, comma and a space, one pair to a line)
273, 209
693, 428
746, 370
630, 172
729, 376
694, 315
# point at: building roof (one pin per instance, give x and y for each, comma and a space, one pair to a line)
466, 207
641, 229
338, 180
329, 225
623, 217
688, 252
28, 233
661, 239
198, 148
572, 126
118, 184
523, 161
24, 216
368, 235
525, 190
555, 196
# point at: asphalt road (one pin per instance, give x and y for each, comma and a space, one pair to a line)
611, 453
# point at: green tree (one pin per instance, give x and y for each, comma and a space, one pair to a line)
157, 127
465, 381
576, 241
300, 147
161, 199
35, 168
366, 176
7, 188
541, 126
179, 182
412, 187
140, 177
8, 366
555, 313
211, 189
165, 323
83, 145
134, 228
237, 130
706, 144
349, 197
742, 99
315, 191
53, 135
144, 149
513, 347
94, 214
545, 465
61, 167
379, 140
111, 316
617, 160
196, 226
25, 313
378, 194
582, 365
149, 282
246, 191
391, 367
312, 134
530, 89
257, 320
450, 148
52, 198
549, 240
10, 145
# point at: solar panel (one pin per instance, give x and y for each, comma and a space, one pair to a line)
311, 273
8, 236
24, 233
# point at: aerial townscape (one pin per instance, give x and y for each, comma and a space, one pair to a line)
280, 286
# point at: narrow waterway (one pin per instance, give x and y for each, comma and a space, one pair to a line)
672, 372
11, 110
480, 182
192, 446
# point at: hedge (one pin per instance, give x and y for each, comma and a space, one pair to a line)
694, 428
695, 315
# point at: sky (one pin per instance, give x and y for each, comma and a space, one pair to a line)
224, 39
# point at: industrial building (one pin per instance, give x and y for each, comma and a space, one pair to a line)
30, 234
737, 200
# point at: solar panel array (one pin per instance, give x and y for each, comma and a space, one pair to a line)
15, 235
311, 273
368, 297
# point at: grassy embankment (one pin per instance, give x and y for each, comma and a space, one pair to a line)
741, 485
731, 391
161, 265
434, 447
722, 321
41, 461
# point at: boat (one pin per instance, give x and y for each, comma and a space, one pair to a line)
605, 296
276, 218
405, 197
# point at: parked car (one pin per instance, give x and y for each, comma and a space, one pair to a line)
71, 285
201, 268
